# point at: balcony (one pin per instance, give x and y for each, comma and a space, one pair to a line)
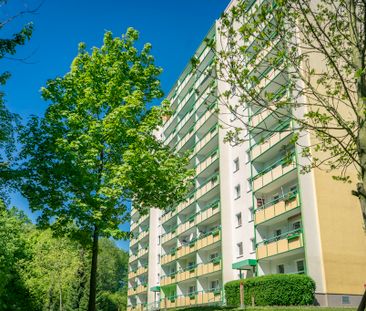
272, 141
209, 238
278, 207
211, 267
169, 257
167, 215
211, 183
169, 235
181, 143
211, 210
188, 224
273, 172
141, 270
196, 298
142, 288
138, 307
190, 199
207, 162
205, 140
186, 249
168, 279
286, 242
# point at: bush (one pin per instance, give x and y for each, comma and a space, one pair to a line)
272, 290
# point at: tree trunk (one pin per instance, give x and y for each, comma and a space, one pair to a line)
362, 305
93, 272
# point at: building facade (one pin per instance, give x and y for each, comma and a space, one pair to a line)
250, 211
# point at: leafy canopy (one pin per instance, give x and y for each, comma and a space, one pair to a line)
96, 148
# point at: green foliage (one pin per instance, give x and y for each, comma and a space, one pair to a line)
14, 294
95, 149
272, 290
8, 120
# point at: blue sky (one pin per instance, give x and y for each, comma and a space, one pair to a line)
175, 29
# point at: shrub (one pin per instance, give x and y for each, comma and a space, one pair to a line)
272, 290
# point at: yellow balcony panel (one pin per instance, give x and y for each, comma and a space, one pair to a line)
286, 203
208, 186
211, 211
167, 237
205, 139
283, 167
207, 162
141, 289
185, 226
186, 203
211, 267
291, 241
186, 249
273, 140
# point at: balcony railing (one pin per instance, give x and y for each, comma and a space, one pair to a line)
283, 204
210, 183
280, 134
211, 158
211, 134
273, 172
196, 298
280, 244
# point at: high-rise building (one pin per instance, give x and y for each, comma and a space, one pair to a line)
251, 211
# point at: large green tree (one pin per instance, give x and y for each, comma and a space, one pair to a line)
8, 46
95, 150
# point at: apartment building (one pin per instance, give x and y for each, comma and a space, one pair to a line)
250, 211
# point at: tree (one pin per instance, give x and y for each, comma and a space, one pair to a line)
316, 52
50, 270
96, 149
14, 295
7, 119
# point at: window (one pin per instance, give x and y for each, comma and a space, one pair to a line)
214, 255
237, 192
252, 242
240, 249
281, 269
236, 165
215, 284
192, 290
238, 220
251, 214
191, 265
296, 225
300, 266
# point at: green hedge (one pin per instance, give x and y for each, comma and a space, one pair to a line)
272, 290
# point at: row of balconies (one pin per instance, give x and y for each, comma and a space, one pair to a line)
137, 307
141, 252
277, 207
196, 298
142, 288
138, 221
192, 272
286, 242
272, 140
194, 220
273, 172
144, 233
138, 271
192, 246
